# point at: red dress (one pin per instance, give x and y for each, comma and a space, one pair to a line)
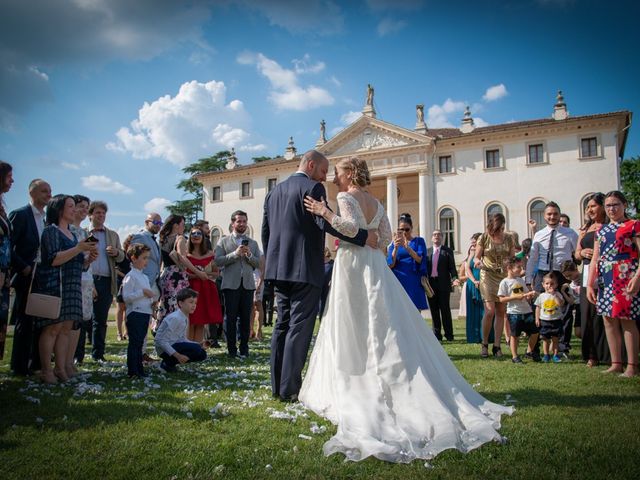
208, 308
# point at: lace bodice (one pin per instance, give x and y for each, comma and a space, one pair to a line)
350, 218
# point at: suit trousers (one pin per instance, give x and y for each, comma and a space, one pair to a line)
137, 326
101, 307
25, 355
190, 349
237, 307
297, 310
440, 308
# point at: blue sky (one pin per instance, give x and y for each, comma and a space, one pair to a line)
110, 98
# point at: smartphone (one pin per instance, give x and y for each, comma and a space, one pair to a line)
245, 243
92, 239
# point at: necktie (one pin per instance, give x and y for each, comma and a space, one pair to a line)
550, 251
434, 262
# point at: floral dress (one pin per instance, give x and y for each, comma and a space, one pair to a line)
617, 264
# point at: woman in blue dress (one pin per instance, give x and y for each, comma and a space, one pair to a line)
407, 257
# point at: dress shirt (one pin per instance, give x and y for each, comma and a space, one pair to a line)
101, 264
39, 216
565, 242
132, 292
173, 329
434, 261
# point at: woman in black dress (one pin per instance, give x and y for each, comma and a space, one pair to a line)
594, 340
6, 180
59, 273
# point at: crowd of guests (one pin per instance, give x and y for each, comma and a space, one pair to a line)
541, 288
192, 294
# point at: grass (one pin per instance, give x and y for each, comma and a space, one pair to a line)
214, 420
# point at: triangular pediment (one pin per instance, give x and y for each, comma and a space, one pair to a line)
370, 134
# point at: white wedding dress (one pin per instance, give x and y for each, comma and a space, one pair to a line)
378, 372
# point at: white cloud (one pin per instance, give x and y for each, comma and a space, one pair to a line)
286, 93
389, 25
125, 231
495, 93
323, 17
252, 148
102, 183
439, 116
335, 81
156, 205
305, 66
480, 122
350, 117
70, 166
196, 122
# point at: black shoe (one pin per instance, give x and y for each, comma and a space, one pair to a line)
290, 399
535, 356
449, 339
215, 344
497, 352
517, 360
168, 368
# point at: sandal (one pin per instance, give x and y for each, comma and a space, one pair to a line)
48, 377
592, 362
613, 369
634, 367
484, 353
497, 351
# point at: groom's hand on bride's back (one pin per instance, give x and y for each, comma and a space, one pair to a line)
372, 238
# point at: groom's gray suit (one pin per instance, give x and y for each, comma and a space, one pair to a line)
293, 241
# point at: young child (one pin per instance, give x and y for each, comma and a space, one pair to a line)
138, 297
171, 337
514, 292
571, 292
549, 314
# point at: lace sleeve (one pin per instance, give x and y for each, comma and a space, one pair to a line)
345, 220
384, 233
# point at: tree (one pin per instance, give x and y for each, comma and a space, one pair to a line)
261, 159
630, 183
191, 207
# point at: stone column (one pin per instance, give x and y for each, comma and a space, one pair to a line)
392, 200
423, 204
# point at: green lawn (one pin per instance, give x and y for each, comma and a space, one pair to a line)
216, 420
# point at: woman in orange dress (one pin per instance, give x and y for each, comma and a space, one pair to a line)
208, 310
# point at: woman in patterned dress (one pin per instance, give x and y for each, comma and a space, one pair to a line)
615, 267
59, 273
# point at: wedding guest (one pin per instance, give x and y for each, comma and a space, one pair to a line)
27, 225
257, 312
88, 290
204, 226
473, 298
174, 277
171, 342
494, 247
208, 309
138, 298
595, 349
407, 257
6, 180
104, 275
549, 317
564, 220
122, 268
442, 276
60, 274
614, 269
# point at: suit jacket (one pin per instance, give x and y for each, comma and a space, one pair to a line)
25, 242
237, 268
446, 266
292, 238
152, 270
113, 240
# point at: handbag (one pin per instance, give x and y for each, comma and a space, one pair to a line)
42, 305
427, 287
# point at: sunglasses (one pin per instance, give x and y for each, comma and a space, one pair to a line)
404, 229
159, 223
196, 234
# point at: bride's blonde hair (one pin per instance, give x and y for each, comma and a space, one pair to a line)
360, 175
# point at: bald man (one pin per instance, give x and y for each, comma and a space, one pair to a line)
27, 224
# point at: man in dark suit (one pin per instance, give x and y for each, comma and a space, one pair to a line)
27, 224
442, 275
293, 241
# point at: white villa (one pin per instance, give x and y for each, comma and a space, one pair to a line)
449, 178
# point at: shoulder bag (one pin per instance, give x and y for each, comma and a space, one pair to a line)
42, 305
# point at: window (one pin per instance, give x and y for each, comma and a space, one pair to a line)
445, 164
536, 213
271, 184
216, 233
245, 190
216, 194
536, 153
589, 147
448, 227
494, 208
492, 158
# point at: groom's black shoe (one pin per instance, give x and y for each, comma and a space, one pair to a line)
290, 399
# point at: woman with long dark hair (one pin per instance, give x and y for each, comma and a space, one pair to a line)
6, 180
594, 339
614, 270
473, 297
492, 249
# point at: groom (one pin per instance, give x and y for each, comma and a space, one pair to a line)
293, 241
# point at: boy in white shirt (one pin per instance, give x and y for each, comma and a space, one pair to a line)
514, 292
549, 313
138, 298
171, 337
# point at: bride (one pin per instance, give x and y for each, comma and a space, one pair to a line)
377, 371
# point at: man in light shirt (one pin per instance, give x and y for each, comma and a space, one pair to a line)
171, 338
